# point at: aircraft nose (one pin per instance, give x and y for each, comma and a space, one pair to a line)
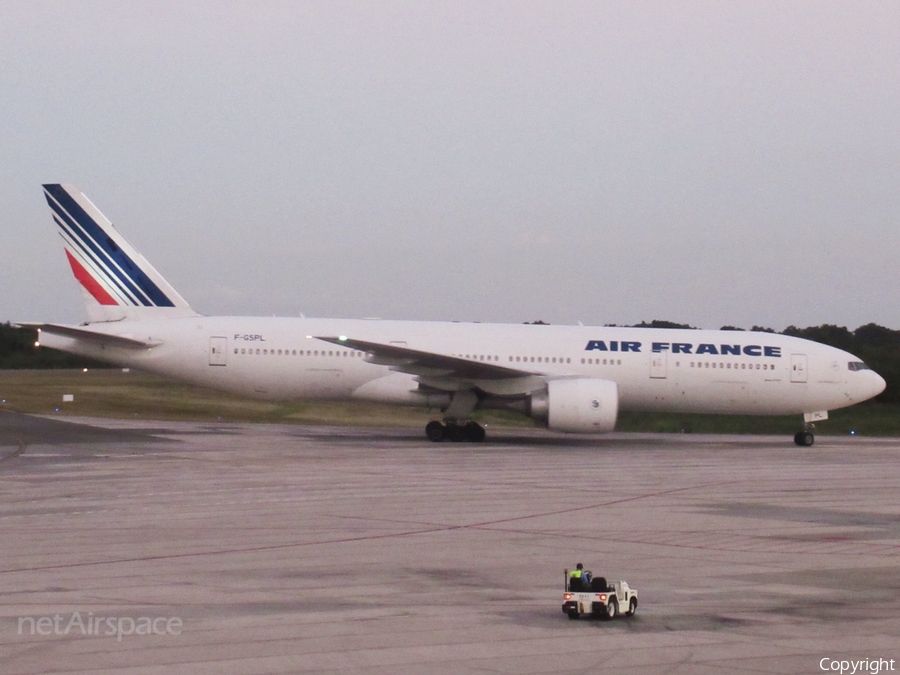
878, 384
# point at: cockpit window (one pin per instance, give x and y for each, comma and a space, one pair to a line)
857, 365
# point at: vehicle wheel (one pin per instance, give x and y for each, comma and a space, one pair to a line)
612, 608
804, 438
632, 607
435, 431
573, 614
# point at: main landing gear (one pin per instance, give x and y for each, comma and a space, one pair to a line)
470, 432
461, 406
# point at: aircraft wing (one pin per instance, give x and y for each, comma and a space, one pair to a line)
430, 365
91, 336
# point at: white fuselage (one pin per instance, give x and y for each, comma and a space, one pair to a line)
730, 372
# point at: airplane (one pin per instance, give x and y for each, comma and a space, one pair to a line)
572, 379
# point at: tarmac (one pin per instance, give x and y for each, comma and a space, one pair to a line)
160, 547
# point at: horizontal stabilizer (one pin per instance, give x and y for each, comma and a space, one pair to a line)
91, 336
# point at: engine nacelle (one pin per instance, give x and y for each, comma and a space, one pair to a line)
578, 405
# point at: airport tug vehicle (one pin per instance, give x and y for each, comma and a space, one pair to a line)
594, 596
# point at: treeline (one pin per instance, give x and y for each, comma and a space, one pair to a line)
878, 346
17, 351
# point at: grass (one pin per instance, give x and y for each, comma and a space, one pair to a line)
114, 393
867, 419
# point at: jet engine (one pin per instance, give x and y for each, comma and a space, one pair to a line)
578, 405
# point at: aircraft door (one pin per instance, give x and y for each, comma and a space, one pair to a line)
658, 365
798, 368
218, 350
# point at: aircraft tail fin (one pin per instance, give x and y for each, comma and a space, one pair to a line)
116, 281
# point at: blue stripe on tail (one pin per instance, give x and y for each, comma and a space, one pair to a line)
82, 249
121, 267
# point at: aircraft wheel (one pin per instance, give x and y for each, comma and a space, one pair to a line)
804, 438
455, 433
474, 432
435, 431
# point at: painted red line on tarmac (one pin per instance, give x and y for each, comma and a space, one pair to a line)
592, 506
197, 554
346, 540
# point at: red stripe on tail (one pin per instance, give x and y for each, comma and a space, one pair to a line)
86, 280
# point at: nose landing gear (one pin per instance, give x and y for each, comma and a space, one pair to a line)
805, 438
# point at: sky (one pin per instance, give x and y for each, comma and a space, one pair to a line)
709, 163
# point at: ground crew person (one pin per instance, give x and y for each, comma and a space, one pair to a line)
576, 578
